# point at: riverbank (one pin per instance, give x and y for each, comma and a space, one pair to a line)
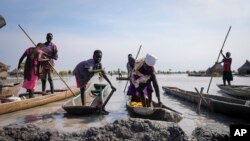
132, 129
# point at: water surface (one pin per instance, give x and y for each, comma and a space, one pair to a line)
53, 116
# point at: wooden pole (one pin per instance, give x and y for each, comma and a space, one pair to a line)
106, 101
201, 96
200, 100
218, 59
48, 62
135, 60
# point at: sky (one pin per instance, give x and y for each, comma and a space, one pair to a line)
182, 34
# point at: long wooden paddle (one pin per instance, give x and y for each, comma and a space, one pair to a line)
48, 62
130, 73
218, 59
107, 99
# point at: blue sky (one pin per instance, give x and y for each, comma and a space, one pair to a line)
183, 34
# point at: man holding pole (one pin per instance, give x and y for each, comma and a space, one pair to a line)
51, 50
227, 73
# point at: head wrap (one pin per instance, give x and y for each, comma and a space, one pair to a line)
150, 60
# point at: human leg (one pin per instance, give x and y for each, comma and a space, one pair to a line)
82, 95
30, 93
224, 77
230, 77
141, 93
43, 79
50, 81
224, 82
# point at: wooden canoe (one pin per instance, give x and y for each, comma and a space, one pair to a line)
240, 91
155, 112
94, 95
228, 106
122, 78
37, 101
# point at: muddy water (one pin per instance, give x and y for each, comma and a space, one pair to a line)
53, 116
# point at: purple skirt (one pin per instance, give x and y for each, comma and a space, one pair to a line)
135, 91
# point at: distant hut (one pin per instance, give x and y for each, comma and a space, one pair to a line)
216, 69
3, 70
2, 21
15, 72
3, 67
244, 69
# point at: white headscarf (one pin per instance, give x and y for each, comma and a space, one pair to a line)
150, 60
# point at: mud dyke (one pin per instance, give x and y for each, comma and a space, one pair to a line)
130, 130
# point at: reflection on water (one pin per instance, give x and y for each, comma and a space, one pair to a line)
53, 116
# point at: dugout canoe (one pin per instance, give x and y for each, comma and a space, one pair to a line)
95, 94
36, 101
240, 91
155, 112
228, 106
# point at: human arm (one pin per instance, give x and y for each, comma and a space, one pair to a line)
91, 70
21, 60
107, 79
156, 88
138, 65
96, 68
42, 56
222, 54
55, 52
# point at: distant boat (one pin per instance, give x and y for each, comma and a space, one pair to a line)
122, 78
198, 74
228, 106
236, 90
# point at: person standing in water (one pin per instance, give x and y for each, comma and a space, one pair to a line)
227, 73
